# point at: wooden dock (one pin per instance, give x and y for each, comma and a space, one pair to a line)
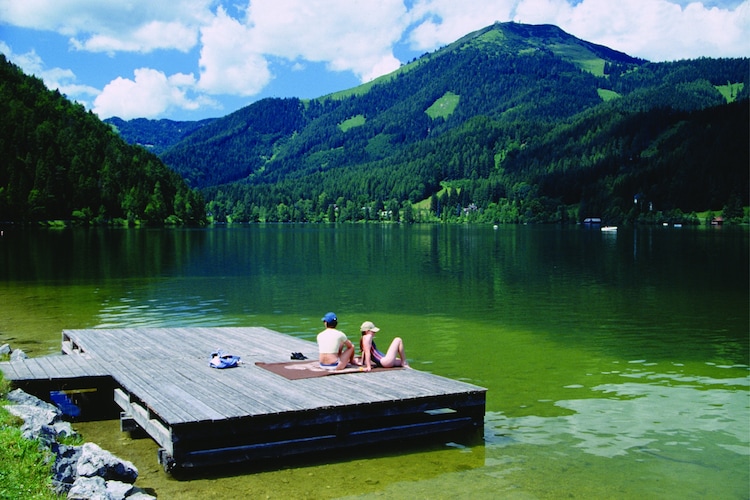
201, 416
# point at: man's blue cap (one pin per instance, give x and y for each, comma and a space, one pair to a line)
329, 317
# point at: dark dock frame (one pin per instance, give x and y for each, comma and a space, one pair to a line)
200, 416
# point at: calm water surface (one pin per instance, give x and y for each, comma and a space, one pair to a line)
617, 364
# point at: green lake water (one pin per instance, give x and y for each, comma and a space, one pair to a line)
616, 363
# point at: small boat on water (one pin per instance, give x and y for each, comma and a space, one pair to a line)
609, 229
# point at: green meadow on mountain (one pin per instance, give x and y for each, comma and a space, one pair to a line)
510, 124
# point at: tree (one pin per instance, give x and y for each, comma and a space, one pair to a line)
408, 212
156, 210
394, 211
732, 211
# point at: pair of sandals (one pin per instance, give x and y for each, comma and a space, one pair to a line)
298, 355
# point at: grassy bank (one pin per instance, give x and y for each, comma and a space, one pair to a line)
24, 465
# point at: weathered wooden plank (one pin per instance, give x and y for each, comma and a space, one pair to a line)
199, 408
215, 394
14, 370
143, 384
55, 368
256, 392
35, 368
72, 366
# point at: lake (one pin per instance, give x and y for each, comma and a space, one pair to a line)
616, 363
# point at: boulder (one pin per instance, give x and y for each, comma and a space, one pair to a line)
42, 420
18, 355
95, 461
20, 397
96, 488
33, 417
89, 488
118, 489
81, 472
140, 495
64, 472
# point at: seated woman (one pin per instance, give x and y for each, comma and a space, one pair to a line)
371, 356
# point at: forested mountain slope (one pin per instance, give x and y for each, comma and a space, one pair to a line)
58, 162
155, 135
512, 123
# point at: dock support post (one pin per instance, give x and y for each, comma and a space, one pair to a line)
127, 422
166, 460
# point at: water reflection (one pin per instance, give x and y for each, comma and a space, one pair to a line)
618, 358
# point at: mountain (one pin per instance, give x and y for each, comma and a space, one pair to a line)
155, 135
512, 123
60, 162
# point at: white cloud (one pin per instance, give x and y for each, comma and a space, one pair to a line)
658, 30
230, 62
150, 94
440, 22
151, 36
350, 35
105, 25
356, 36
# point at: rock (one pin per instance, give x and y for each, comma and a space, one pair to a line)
118, 489
95, 461
96, 488
5, 349
23, 398
64, 472
36, 422
63, 429
83, 472
18, 355
89, 488
45, 434
139, 494
42, 420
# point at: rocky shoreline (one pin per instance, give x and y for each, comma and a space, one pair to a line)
80, 472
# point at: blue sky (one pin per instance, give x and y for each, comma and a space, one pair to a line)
193, 59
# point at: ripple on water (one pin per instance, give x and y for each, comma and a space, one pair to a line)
188, 311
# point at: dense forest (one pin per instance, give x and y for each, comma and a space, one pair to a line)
60, 162
510, 124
